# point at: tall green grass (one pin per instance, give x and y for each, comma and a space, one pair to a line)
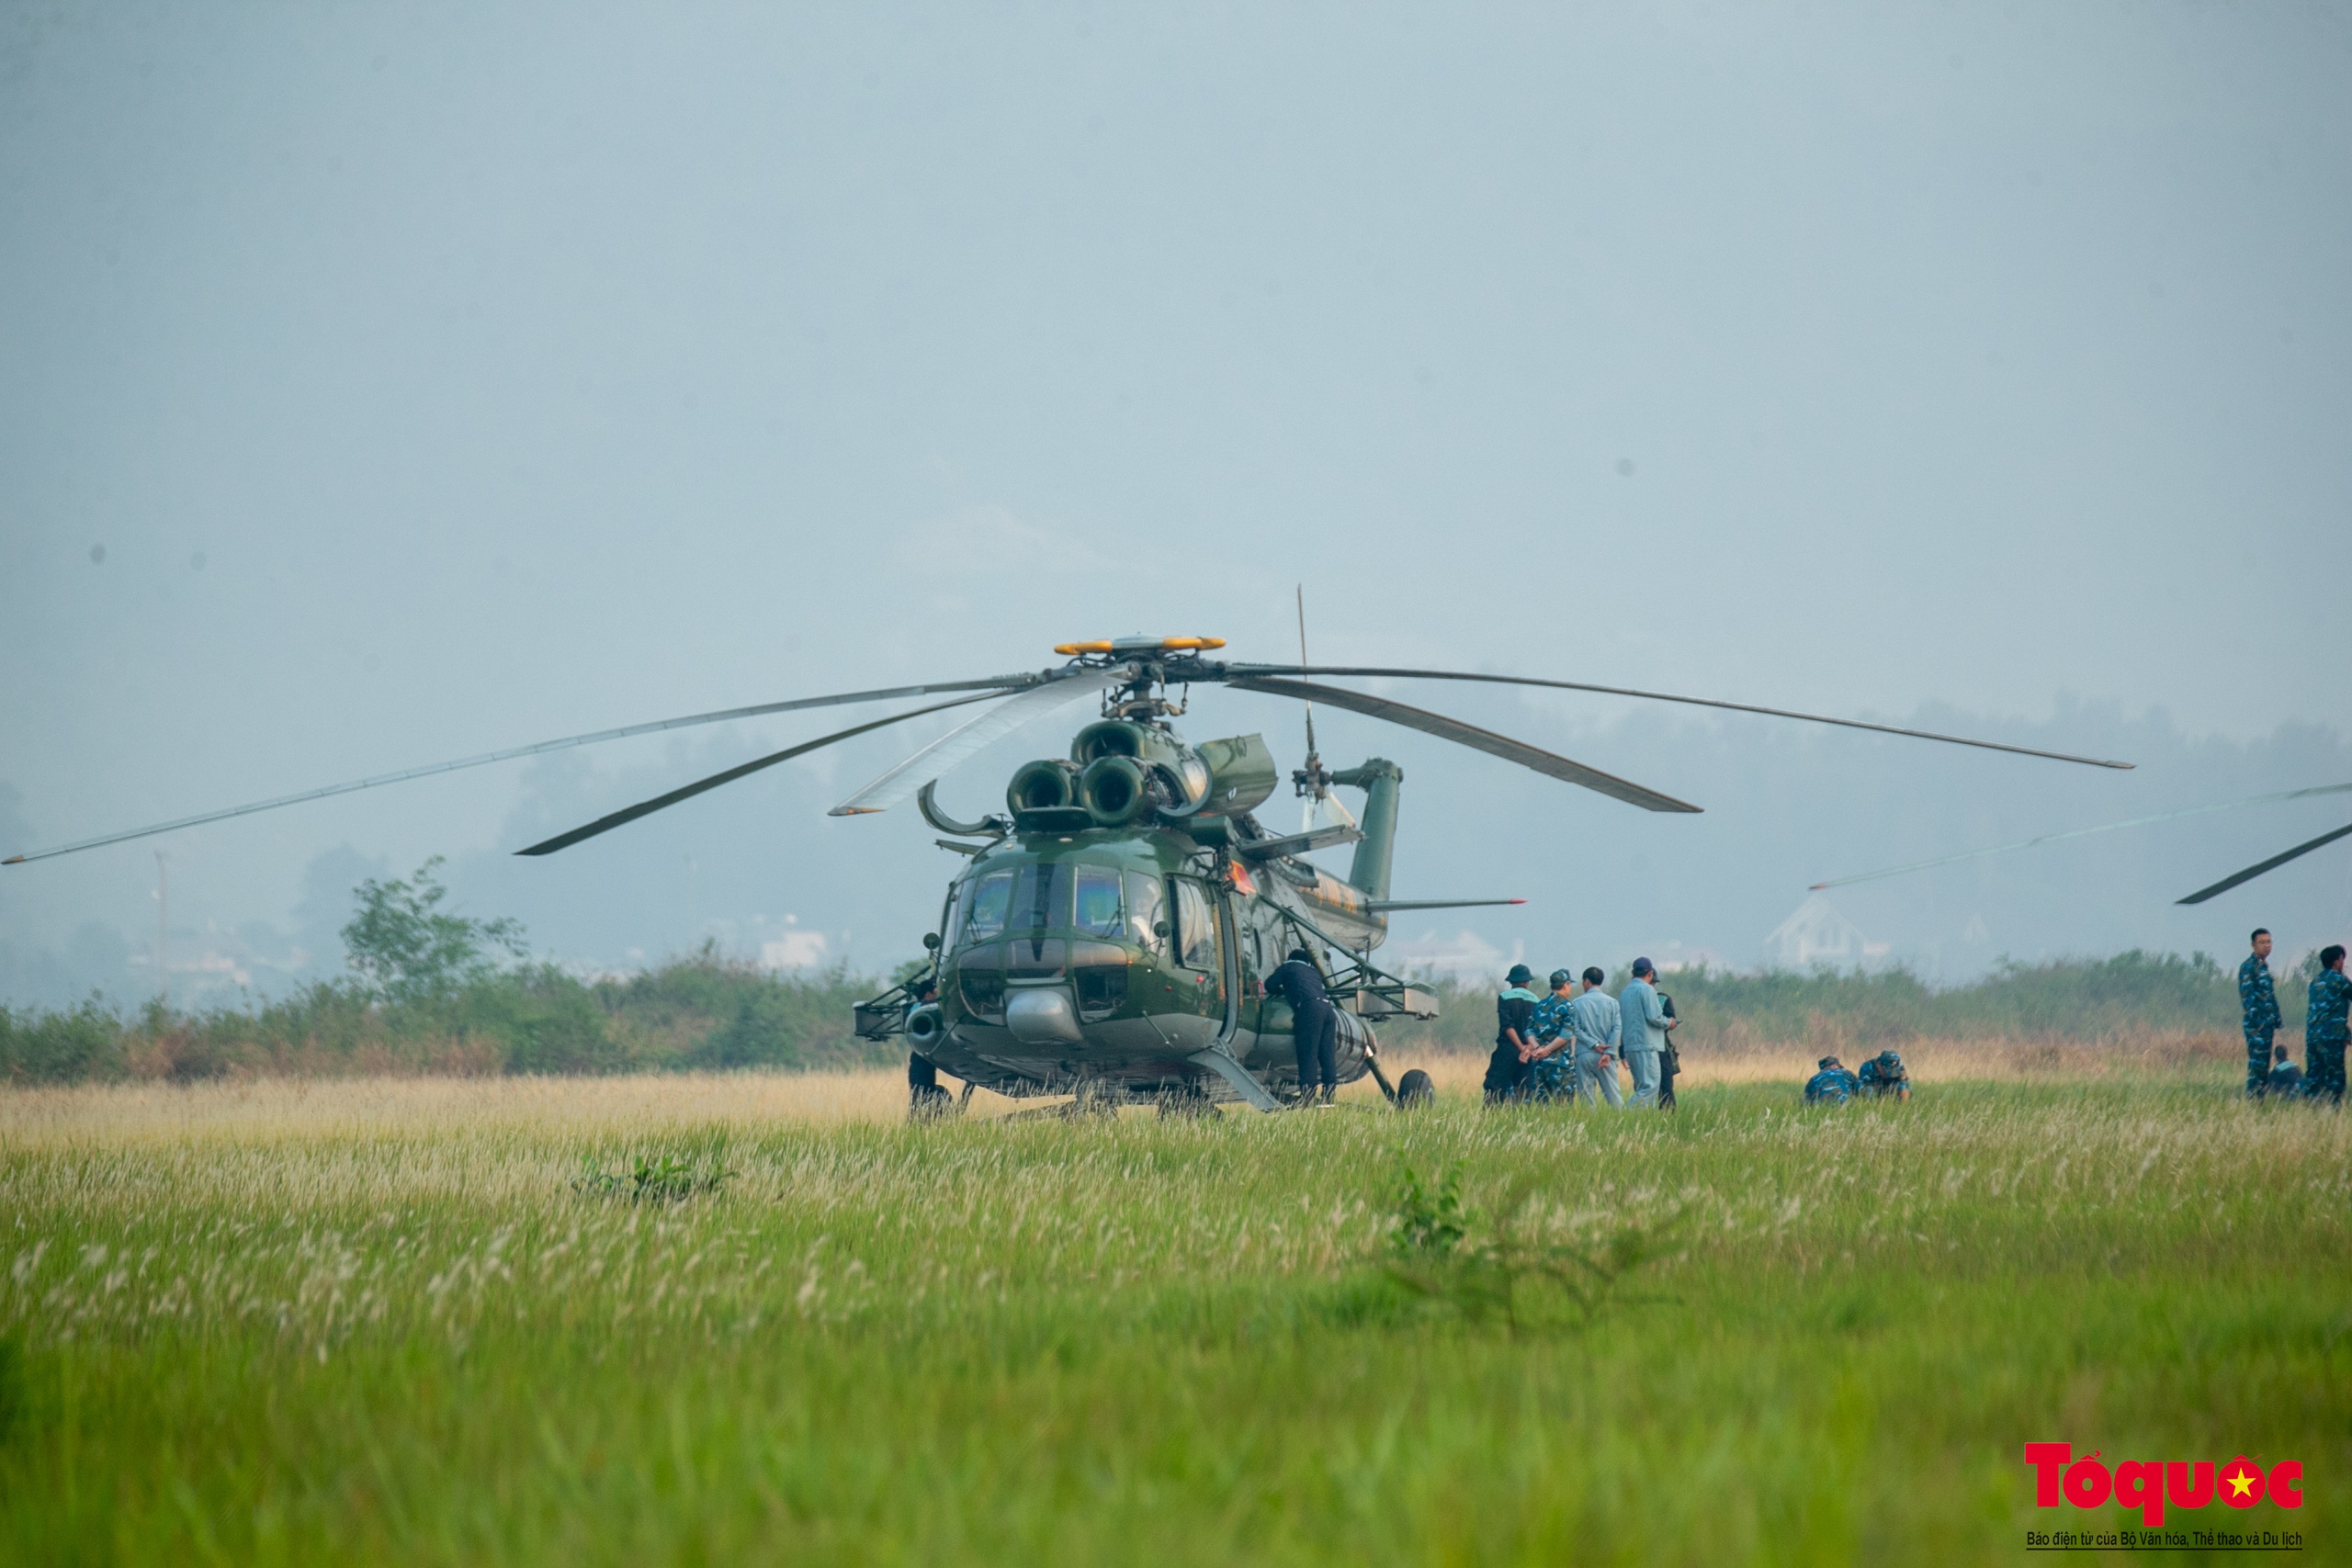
1143, 1341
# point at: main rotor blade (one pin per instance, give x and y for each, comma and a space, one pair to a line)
996, 683
1469, 734
648, 807
2273, 863
2081, 833
900, 781
1252, 671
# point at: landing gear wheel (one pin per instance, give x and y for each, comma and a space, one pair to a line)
1415, 1089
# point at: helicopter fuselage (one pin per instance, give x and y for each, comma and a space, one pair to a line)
1111, 959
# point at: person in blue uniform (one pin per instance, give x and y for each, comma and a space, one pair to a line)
1555, 1026
2286, 1079
1599, 1029
2325, 1027
2259, 1001
1644, 1022
1883, 1076
1514, 1036
1313, 1025
1833, 1085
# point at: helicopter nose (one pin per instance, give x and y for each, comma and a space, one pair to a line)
1043, 1015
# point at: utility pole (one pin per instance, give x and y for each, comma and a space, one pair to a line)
163, 929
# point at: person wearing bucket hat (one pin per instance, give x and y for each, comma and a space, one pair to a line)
1514, 1036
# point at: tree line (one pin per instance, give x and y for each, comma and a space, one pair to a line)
431, 990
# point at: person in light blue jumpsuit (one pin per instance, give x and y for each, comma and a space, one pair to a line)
1644, 1023
1594, 1017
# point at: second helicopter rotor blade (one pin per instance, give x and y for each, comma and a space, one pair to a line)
995, 685
903, 778
628, 813
1468, 735
1238, 672
2273, 863
2082, 833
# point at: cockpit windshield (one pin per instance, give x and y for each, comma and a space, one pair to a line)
986, 902
1095, 893
1031, 898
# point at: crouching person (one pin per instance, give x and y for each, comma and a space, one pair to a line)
1883, 1076
2286, 1081
1832, 1085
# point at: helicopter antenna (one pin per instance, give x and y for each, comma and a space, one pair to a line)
1302, 659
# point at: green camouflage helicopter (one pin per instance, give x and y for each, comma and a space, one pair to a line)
1108, 937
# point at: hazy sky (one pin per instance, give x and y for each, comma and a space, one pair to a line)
436, 378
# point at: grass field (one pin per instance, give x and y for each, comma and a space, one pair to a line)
375, 1321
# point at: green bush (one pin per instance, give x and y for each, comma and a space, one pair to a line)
39, 1046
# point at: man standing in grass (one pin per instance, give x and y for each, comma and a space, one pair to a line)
1547, 1070
1594, 1015
2261, 1005
1514, 1036
1646, 1023
2325, 1027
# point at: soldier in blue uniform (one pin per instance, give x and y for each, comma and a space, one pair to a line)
1883, 1076
2324, 1026
1833, 1085
2286, 1079
1555, 1026
2260, 1002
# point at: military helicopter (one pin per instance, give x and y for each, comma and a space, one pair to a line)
1107, 936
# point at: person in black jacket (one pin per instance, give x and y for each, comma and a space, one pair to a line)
925, 1099
1514, 1036
1313, 1025
1670, 1061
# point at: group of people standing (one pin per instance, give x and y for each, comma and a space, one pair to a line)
1567, 1045
2268, 1068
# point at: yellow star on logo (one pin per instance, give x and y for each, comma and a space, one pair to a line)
2241, 1483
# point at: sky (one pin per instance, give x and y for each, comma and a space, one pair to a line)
381, 384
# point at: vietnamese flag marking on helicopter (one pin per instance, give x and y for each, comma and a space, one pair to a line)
1242, 881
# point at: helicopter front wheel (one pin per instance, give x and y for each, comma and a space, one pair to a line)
1414, 1091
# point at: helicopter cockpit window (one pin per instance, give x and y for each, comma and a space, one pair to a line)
1195, 926
1096, 892
1147, 907
1034, 904
986, 904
